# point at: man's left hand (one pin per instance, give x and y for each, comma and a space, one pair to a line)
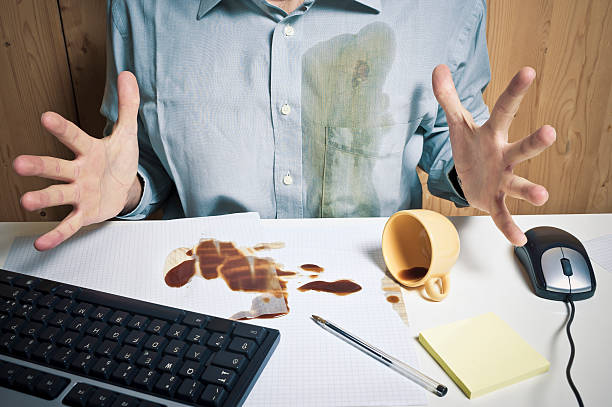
484, 159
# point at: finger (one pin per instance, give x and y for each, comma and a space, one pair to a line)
47, 167
530, 146
446, 94
68, 227
55, 195
503, 220
508, 103
129, 101
521, 188
66, 132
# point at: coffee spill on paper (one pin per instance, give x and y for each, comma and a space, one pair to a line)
340, 287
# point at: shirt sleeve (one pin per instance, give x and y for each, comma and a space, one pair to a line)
119, 57
468, 61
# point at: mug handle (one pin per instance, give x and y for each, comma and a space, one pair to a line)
432, 290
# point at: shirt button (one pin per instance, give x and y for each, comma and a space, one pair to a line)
287, 180
285, 109
289, 31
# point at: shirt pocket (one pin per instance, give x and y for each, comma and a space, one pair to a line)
362, 169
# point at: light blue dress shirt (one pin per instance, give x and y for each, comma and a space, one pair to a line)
324, 112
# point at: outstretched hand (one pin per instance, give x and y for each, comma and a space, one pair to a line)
484, 160
100, 182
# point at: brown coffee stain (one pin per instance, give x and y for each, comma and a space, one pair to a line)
313, 276
266, 299
413, 274
268, 246
180, 274
313, 268
339, 287
285, 273
189, 252
393, 299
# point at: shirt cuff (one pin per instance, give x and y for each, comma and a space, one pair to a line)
144, 207
440, 183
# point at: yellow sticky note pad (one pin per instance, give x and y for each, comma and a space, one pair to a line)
482, 354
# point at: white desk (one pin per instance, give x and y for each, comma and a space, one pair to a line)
487, 277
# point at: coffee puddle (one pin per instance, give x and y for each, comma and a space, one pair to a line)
413, 274
243, 271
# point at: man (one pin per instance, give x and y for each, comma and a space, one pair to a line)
291, 109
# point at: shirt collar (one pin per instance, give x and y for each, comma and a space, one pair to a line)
207, 5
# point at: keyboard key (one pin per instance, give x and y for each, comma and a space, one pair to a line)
88, 344
49, 334
48, 301
67, 291
43, 352
7, 277
126, 401
31, 329
83, 362
25, 347
68, 339
135, 338
11, 293
119, 318
124, 374
78, 395
156, 343
82, 310
220, 325
138, 322
194, 320
127, 354
191, 369
78, 324
97, 329
60, 320
230, 360
198, 353
31, 297
62, 357
50, 386
14, 325
213, 396
23, 311
64, 305
7, 306
197, 336
101, 398
157, 327
176, 348
177, 331
101, 314
46, 286
217, 341
27, 282
256, 333
168, 364
103, 368
145, 379
41, 315
107, 349
219, 376
116, 333
244, 346
7, 342
8, 373
148, 359
167, 384
190, 390
26, 380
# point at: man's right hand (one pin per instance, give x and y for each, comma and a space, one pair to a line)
100, 182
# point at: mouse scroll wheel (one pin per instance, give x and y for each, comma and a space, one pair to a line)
567, 267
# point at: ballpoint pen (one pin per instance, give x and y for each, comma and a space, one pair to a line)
395, 364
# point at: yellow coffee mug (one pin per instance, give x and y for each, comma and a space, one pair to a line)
419, 247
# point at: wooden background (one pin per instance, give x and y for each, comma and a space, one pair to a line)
52, 58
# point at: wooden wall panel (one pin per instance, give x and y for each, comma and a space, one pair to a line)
34, 78
569, 43
85, 31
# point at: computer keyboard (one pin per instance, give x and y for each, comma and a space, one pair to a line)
80, 347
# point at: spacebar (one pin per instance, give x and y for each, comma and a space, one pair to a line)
131, 305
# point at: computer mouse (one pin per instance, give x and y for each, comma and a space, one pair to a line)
557, 264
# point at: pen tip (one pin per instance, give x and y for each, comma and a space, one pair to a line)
318, 319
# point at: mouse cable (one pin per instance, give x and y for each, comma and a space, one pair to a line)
568, 374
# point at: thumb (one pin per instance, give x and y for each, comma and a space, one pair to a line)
446, 94
128, 101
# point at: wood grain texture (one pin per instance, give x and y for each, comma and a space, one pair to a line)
34, 78
569, 43
85, 31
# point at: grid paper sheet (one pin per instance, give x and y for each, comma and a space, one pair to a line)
312, 367
600, 251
